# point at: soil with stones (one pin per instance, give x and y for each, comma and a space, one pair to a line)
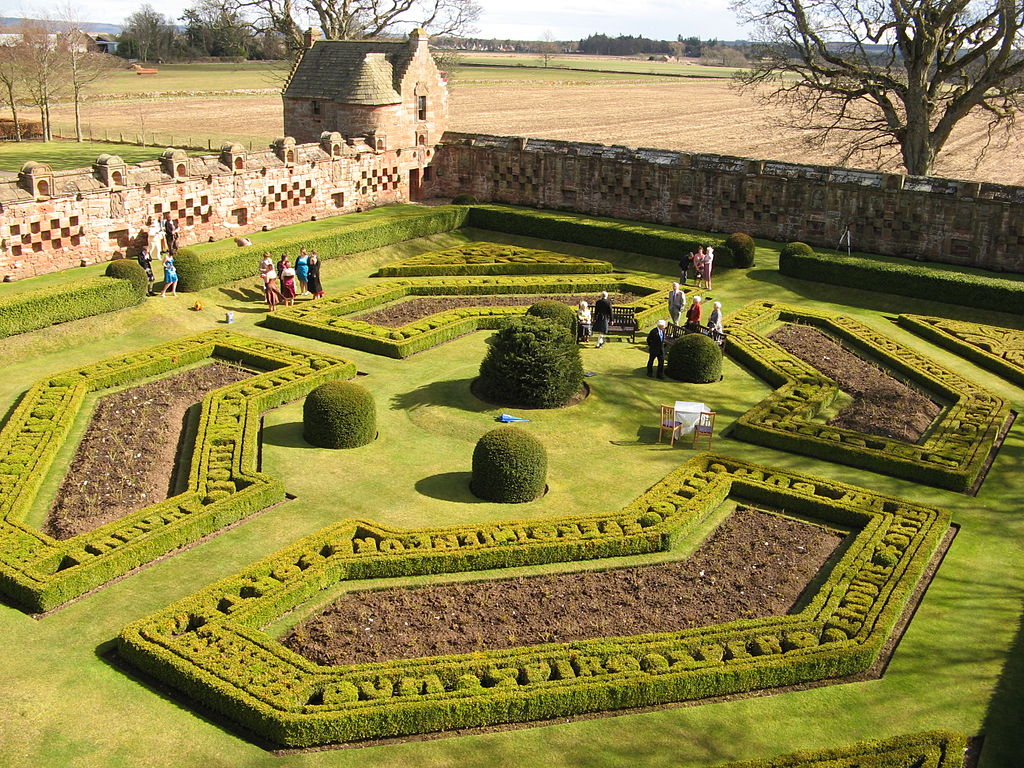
126, 458
881, 405
755, 564
397, 315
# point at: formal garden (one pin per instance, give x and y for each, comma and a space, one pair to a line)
306, 538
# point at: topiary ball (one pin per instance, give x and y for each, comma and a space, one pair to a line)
742, 248
531, 362
694, 358
796, 249
339, 414
509, 466
464, 199
557, 311
126, 269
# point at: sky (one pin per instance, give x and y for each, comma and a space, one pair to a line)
515, 19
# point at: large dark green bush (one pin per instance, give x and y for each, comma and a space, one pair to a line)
742, 248
127, 269
694, 358
532, 362
464, 198
339, 414
509, 465
561, 313
796, 249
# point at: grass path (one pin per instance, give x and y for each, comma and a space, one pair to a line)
63, 703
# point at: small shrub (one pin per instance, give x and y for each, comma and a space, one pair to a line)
742, 248
557, 311
339, 414
531, 362
126, 269
464, 199
694, 358
796, 249
509, 465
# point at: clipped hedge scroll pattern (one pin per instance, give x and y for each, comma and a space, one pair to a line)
951, 456
210, 647
483, 258
38, 572
1000, 350
326, 319
933, 749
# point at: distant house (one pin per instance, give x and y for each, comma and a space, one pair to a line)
389, 93
104, 43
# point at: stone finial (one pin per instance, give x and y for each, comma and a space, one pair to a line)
111, 170
232, 154
331, 142
284, 148
174, 162
37, 179
311, 36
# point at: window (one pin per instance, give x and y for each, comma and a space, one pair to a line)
316, 107
421, 107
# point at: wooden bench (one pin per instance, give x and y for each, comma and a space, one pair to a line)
623, 320
674, 332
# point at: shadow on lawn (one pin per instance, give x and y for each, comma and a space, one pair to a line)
285, 435
451, 392
448, 486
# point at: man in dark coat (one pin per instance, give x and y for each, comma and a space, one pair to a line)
656, 349
170, 233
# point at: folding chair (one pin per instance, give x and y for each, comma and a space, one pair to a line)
669, 424
704, 429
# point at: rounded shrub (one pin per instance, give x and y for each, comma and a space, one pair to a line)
557, 311
694, 358
742, 247
464, 198
339, 414
126, 269
796, 249
509, 465
532, 362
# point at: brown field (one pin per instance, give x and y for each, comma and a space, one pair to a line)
692, 115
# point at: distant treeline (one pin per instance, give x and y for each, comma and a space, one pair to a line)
629, 45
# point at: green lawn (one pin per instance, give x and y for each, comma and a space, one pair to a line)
959, 665
64, 155
603, 64
194, 77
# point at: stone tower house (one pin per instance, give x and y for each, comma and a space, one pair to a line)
389, 93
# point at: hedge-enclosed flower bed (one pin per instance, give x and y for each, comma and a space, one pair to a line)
210, 647
38, 572
954, 451
481, 258
1000, 350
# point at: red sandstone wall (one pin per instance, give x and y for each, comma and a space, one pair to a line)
965, 223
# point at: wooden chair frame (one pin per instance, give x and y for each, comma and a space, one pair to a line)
668, 423
704, 429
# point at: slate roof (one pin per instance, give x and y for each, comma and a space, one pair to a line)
365, 72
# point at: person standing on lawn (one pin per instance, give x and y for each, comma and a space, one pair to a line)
170, 227
146, 262
302, 271
656, 349
602, 317
313, 284
676, 302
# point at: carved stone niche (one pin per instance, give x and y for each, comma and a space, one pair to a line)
37, 179
174, 162
331, 143
111, 170
378, 141
233, 156
284, 148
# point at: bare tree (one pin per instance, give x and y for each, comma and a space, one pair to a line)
84, 65
150, 32
549, 47
889, 76
12, 80
355, 19
44, 68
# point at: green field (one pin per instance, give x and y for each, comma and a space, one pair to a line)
597, 64
189, 78
65, 155
960, 665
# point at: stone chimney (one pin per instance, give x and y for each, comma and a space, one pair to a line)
418, 38
312, 35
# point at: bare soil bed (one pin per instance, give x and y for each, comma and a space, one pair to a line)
397, 315
126, 458
754, 564
882, 405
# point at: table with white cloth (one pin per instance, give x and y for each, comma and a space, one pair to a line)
688, 414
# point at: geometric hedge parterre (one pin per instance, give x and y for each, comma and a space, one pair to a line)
210, 645
952, 454
38, 572
484, 258
325, 319
1000, 350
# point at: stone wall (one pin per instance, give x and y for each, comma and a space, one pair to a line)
957, 222
55, 220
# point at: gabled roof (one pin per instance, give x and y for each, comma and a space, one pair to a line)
351, 72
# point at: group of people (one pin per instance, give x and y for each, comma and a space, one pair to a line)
160, 242
594, 321
656, 339
700, 264
300, 279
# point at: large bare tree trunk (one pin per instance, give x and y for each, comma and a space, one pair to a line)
78, 116
14, 112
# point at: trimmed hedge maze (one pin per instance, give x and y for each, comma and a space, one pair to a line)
39, 573
953, 453
482, 258
935, 749
210, 646
1000, 350
325, 319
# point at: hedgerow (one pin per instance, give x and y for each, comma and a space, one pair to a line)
210, 646
934, 282
41, 308
327, 319
997, 349
933, 749
951, 456
39, 573
481, 258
